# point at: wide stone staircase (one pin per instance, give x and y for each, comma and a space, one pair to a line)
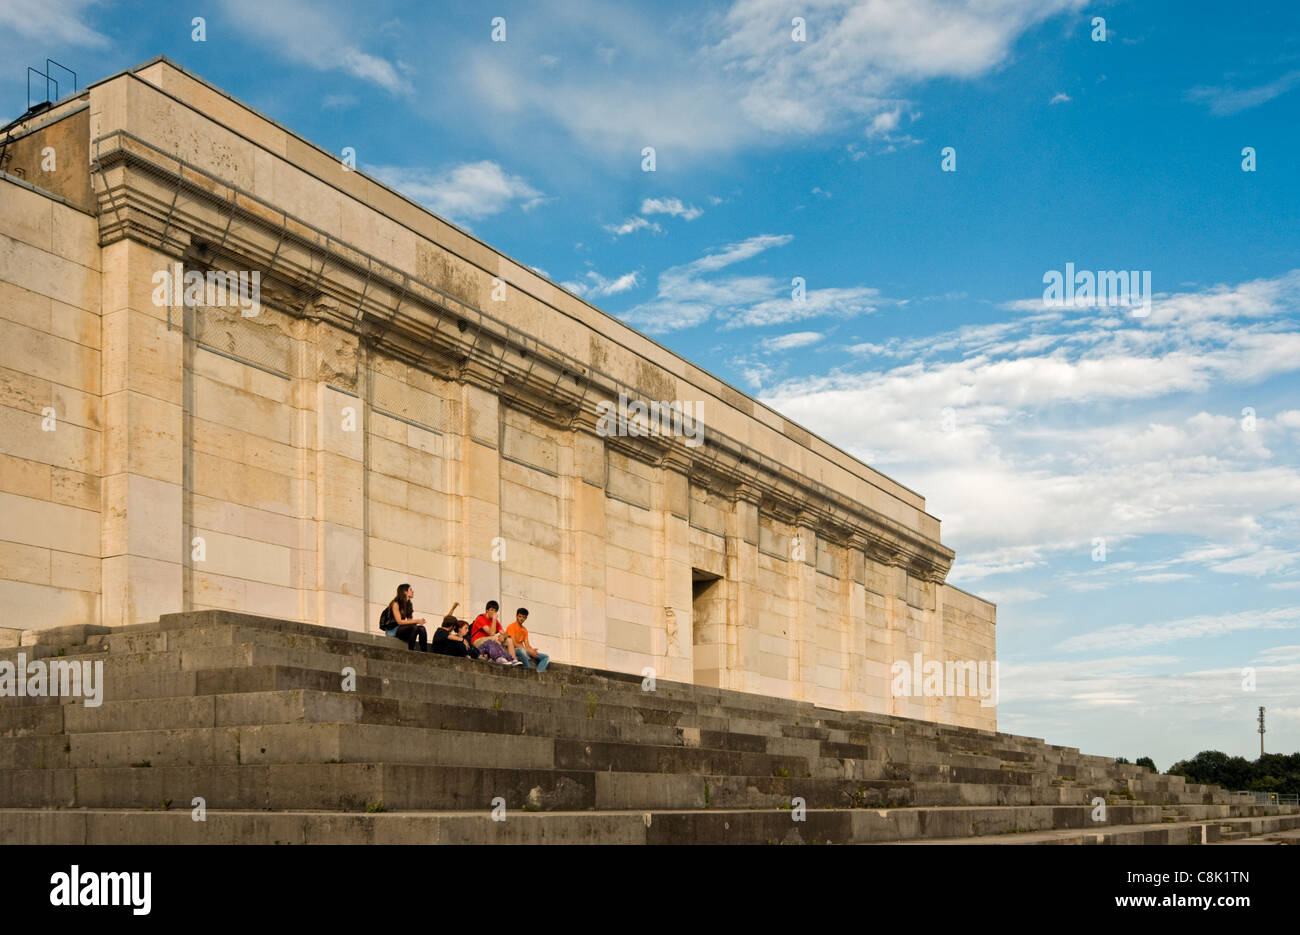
218, 727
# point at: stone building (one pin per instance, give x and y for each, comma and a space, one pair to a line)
387, 399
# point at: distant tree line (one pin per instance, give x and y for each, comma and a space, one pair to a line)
1272, 772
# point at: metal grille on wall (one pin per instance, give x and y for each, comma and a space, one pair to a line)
255, 340
391, 397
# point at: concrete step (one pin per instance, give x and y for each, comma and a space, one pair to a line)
914, 750
1222, 831
250, 714
491, 713
1239, 827
212, 628
618, 725
145, 668
199, 639
1291, 836
321, 786
305, 827
308, 638
84, 717
352, 785
650, 826
313, 742
1136, 834
246, 657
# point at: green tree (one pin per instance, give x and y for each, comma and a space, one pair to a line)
1273, 772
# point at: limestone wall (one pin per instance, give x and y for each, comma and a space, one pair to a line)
52, 401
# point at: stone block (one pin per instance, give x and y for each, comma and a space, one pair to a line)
50, 525
34, 269
248, 559
41, 606
27, 216
137, 589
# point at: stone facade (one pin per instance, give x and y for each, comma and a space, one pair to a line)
406, 405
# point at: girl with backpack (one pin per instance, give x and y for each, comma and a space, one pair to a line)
396, 620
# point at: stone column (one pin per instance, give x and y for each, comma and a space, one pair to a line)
896, 620
853, 591
803, 591
674, 649
341, 426
878, 648
585, 562
144, 551
742, 648
937, 707
943, 708
479, 491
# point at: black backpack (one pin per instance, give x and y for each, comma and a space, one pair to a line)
386, 621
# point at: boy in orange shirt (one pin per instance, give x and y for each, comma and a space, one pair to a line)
524, 650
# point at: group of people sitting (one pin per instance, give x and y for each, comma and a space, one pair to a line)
485, 639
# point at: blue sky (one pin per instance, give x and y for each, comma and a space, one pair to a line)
924, 345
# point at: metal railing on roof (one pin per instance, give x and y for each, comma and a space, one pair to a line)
1268, 798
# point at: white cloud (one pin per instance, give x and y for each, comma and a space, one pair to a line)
688, 296
1001, 561
1060, 98
858, 54
631, 225
1059, 430
593, 285
1263, 561
1280, 654
1289, 418
842, 303
883, 130
886, 122
691, 294
51, 22
1224, 101
1124, 637
464, 192
788, 342
1012, 596
338, 101
317, 35
670, 206
735, 78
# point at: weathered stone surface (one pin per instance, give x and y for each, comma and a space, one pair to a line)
251, 715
